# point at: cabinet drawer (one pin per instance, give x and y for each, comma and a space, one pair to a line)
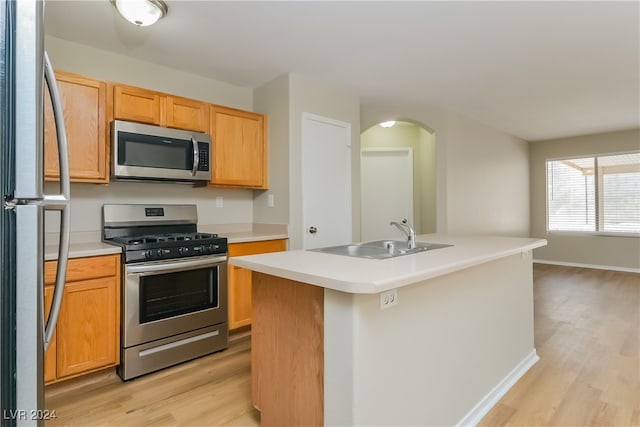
251, 248
84, 268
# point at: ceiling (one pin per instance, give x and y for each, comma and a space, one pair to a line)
537, 70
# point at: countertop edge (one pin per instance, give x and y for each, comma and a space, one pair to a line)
374, 287
231, 239
82, 250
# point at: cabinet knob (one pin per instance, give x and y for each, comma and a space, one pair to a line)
313, 230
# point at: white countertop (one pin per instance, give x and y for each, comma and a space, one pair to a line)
81, 249
369, 276
242, 233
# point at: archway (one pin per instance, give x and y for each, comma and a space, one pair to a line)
400, 137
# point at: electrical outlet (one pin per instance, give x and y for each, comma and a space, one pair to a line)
219, 201
388, 299
270, 201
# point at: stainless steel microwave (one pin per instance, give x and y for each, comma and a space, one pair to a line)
146, 152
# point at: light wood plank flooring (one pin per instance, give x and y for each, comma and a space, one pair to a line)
214, 390
587, 334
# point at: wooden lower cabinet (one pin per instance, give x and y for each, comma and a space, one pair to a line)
239, 279
87, 336
50, 357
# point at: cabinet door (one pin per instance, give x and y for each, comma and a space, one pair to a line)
84, 104
239, 280
87, 327
50, 356
187, 114
240, 154
137, 105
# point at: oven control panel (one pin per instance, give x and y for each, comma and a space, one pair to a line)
181, 252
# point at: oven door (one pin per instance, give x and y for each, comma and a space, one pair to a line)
165, 298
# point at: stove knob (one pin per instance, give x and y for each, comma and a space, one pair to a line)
148, 254
163, 253
183, 251
198, 249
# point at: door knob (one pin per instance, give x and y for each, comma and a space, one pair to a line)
313, 230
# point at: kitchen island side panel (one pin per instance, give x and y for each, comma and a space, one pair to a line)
287, 351
430, 359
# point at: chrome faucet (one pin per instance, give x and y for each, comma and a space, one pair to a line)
408, 231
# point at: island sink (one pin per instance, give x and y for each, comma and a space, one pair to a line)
380, 249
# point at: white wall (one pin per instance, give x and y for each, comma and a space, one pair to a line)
298, 94
316, 97
482, 174
272, 99
104, 65
87, 199
603, 251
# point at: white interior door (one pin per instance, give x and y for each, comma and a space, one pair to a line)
387, 191
326, 182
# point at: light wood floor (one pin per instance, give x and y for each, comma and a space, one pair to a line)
214, 390
587, 334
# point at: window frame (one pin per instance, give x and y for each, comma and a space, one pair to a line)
599, 206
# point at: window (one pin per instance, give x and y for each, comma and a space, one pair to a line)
594, 194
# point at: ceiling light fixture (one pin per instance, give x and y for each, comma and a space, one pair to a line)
388, 124
141, 12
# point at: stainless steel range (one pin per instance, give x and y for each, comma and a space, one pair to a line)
174, 286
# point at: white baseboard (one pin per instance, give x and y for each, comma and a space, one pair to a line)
596, 266
481, 409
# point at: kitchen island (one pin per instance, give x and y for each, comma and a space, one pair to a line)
455, 333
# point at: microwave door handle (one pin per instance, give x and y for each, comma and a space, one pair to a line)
196, 156
58, 202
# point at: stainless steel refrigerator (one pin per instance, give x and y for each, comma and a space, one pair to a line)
24, 68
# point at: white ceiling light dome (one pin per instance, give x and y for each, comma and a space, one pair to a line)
388, 124
141, 12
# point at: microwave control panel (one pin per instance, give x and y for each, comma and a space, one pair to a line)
203, 162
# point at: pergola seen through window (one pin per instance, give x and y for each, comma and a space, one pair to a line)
594, 194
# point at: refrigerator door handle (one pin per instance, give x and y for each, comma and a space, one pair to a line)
58, 202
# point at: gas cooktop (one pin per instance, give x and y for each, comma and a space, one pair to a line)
158, 232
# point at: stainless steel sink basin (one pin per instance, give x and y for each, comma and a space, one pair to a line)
380, 249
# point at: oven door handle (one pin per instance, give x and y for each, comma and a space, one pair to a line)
174, 266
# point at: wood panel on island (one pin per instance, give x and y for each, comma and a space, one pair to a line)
87, 335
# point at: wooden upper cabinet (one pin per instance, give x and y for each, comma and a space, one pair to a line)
84, 106
183, 113
239, 148
137, 105
156, 108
